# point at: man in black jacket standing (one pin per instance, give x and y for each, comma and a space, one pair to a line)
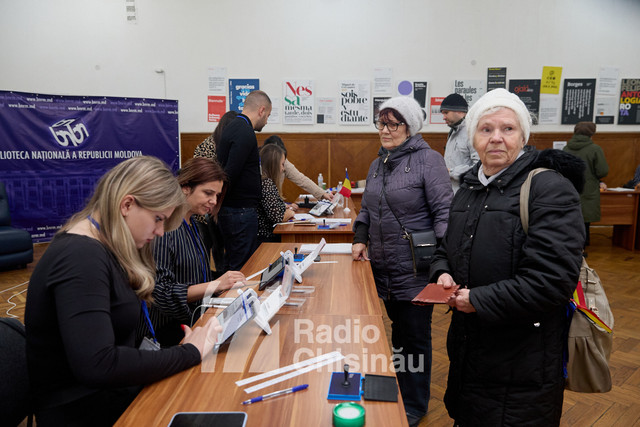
238, 155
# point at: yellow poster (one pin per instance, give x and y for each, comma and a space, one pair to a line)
550, 82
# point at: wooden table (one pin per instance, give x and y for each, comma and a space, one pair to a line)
343, 314
291, 233
620, 209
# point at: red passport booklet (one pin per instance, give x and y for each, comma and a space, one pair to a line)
434, 293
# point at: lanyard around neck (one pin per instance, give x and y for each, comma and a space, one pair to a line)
245, 119
197, 243
94, 222
145, 311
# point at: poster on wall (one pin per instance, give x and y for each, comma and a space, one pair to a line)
217, 77
326, 111
529, 93
416, 89
605, 110
377, 102
470, 90
496, 78
420, 95
549, 109
608, 81
436, 117
216, 107
355, 102
298, 108
577, 101
274, 117
382, 80
55, 148
550, 82
629, 113
238, 91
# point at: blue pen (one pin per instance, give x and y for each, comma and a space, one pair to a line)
275, 393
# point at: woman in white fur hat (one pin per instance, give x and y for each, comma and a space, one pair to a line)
408, 184
506, 338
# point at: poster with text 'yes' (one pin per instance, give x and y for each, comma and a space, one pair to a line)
298, 102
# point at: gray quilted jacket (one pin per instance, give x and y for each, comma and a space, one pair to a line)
418, 188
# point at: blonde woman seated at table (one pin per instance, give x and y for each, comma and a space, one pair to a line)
272, 208
86, 295
297, 177
183, 272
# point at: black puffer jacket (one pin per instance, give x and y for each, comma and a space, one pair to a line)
506, 359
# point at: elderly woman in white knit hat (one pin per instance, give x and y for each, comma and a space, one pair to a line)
408, 191
506, 338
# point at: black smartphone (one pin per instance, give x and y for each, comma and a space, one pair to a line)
272, 273
208, 419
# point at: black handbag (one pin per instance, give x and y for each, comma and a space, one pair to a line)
423, 246
422, 243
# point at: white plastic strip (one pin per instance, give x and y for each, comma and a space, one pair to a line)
292, 374
335, 355
255, 274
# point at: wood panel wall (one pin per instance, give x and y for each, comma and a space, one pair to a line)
331, 153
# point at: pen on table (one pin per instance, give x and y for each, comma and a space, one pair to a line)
275, 393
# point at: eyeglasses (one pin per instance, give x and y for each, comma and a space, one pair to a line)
391, 126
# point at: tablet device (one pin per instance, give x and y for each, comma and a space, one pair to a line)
321, 208
271, 274
237, 314
206, 419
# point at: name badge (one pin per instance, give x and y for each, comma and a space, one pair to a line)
148, 344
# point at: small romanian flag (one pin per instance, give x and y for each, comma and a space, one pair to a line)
346, 186
580, 304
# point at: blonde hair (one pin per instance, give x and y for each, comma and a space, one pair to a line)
154, 187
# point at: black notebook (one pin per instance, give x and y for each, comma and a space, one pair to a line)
380, 387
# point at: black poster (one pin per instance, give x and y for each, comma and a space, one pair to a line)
529, 93
496, 78
377, 102
420, 95
629, 113
577, 101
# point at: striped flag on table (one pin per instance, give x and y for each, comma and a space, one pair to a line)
346, 185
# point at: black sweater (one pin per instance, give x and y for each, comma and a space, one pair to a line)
81, 317
238, 155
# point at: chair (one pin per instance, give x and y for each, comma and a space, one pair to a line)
15, 403
16, 246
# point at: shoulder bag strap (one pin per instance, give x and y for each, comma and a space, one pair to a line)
384, 192
524, 198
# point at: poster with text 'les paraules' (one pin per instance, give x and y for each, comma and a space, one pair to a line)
577, 101
355, 102
629, 113
238, 91
298, 105
470, 90
529, 93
